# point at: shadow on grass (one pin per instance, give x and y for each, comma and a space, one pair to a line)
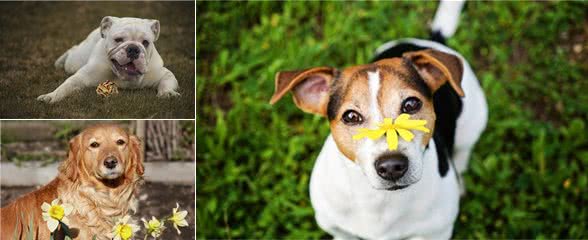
34, 35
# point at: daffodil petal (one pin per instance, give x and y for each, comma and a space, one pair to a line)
422, 128
65, 220
407, 123
177, 229
362, 133
52, 224
401, 117
183, 223
45, 207
67, 209
54, 202
392, 139
182, 214
375, 134
405, 134
135, 227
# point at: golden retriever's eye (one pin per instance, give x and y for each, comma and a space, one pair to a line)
95, 145
120, 142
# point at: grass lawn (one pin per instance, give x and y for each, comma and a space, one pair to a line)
33, 35
527, 176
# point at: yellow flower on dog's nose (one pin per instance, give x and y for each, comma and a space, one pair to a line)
401, 126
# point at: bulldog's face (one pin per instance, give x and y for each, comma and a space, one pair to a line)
129, 43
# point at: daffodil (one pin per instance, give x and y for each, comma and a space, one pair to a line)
123, 230
401, 126
154, 227
55, 213
178, 218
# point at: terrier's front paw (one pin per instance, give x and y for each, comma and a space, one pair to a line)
48, 98
168, 94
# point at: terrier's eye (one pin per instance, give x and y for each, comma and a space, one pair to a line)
145, 43
118, 40
351, 117
120, 142
411, 105
94, 145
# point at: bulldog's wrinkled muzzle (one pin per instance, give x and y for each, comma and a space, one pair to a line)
128, 59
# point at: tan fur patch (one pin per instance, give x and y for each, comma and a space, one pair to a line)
355, 95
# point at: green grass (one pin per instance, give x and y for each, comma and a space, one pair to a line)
527, 176
34, 35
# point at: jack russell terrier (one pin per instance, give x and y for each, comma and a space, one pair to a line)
360, 188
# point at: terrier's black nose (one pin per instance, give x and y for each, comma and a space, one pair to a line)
110, 162
133, 52
391, 167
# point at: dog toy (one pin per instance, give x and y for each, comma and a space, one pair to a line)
401, 126
107, 88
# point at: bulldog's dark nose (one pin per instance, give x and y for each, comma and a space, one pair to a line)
133, 52
391, 167
110, 162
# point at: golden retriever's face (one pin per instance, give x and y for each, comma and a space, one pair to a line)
104, 153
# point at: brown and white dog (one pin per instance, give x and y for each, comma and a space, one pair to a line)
360, 188
99, 179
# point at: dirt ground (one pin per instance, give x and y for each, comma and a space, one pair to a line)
156, 199
34, 34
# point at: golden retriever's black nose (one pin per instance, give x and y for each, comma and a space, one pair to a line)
391, 167
110, 162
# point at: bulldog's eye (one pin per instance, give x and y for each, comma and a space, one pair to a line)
411, 105
351, 117
145, 43
118, 40
120, 142
94, 145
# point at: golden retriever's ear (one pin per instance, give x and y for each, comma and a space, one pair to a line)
136, 155
70, 166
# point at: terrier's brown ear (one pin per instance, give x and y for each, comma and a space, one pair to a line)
310, 88
437, 68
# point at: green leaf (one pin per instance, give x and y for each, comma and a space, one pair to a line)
30, 235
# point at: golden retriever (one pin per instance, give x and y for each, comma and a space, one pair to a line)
99, 179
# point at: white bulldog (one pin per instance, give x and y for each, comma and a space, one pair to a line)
121, 50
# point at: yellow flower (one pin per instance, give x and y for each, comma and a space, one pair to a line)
178, 218
54, 213
124, 230
400, 126
154, 227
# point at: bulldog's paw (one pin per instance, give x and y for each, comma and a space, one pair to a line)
168, 94
48, 98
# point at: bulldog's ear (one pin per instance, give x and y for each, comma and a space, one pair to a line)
155, 28
309, 86
106, 24
437, 68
